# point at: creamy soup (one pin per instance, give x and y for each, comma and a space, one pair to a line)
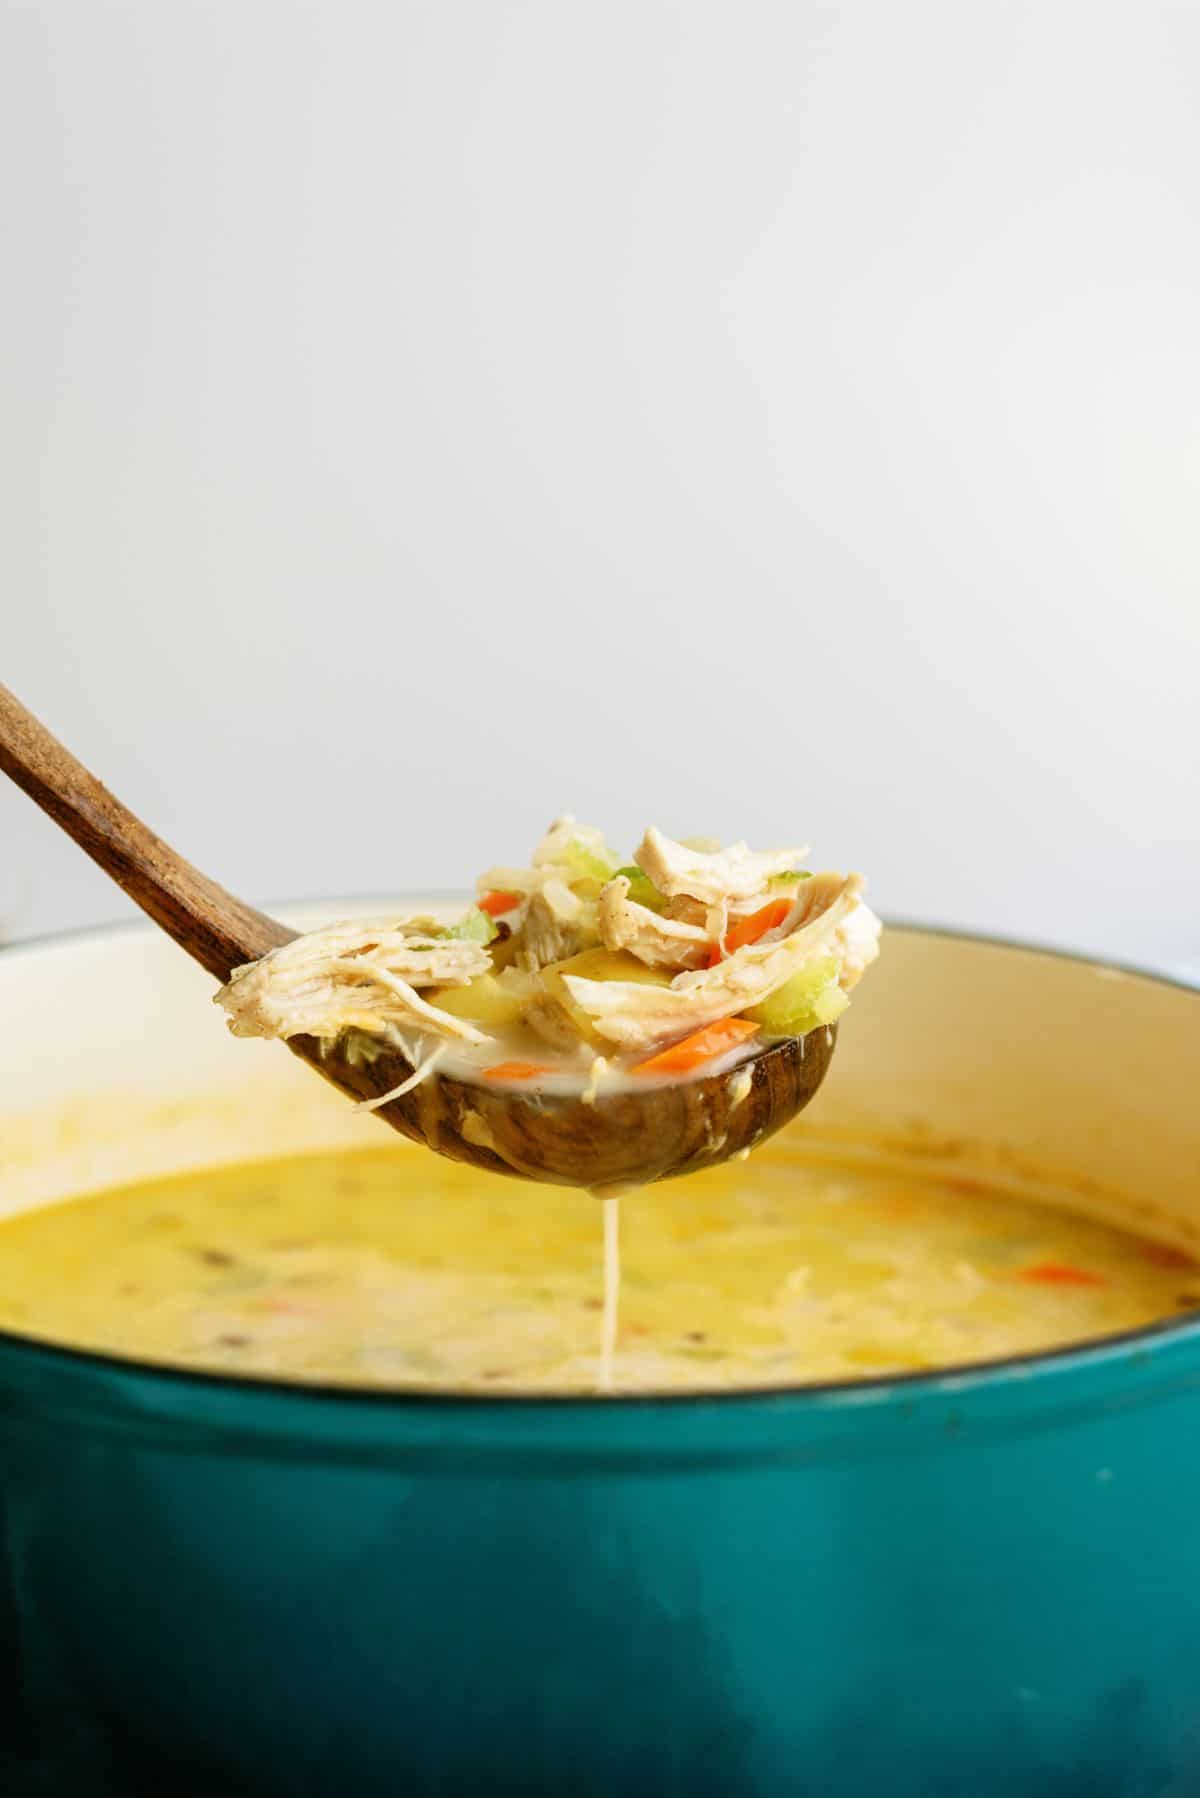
393, 1268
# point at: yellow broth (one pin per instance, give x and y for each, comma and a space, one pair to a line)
393, 1268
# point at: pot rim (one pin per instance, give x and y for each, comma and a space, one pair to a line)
959, 1382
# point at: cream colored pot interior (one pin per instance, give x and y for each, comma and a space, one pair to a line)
1066, 1078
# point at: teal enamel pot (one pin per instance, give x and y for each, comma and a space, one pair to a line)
984, 1583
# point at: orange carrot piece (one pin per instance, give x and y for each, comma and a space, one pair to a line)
748, 930
703, 1045
518, 1070
1061, 1273
495, 904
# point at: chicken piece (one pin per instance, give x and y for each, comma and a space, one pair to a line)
547, 1018
687, 911
856, 940
656, 939
640, 1017
549, 934
733, 873
353, 976
857, 945
712, 919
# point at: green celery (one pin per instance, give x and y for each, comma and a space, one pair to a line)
475, 927
584, 864
810, 998
642, 889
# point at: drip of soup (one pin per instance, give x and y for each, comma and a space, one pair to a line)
392, 1268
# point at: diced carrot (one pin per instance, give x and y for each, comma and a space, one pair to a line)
748, 930
1061, 1273
703, 1045
496, 904
518, 1070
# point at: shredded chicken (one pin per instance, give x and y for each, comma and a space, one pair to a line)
548, 935
418, 1077
641, 1017
357, 975
655, 939
733, 873
856, 939
856, 942
552, 1023
810, 898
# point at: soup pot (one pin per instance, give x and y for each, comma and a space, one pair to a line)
986, 1581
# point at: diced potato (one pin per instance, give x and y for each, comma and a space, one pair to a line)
607, 964
596, 964
492, 1000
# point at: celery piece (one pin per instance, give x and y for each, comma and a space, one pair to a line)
642, 889
788, 879
829, 1005
811, 997
474, 927
584, 864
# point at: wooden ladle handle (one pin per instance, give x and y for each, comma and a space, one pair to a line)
621, 1138
219, 931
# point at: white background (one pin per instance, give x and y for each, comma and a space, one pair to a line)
779, 420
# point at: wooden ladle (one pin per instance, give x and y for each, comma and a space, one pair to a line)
624, 1138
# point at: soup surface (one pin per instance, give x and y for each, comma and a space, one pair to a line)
390, 1267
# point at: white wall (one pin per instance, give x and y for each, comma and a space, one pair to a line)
765, 419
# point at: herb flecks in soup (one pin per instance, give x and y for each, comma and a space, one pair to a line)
387, 1268
579, 971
